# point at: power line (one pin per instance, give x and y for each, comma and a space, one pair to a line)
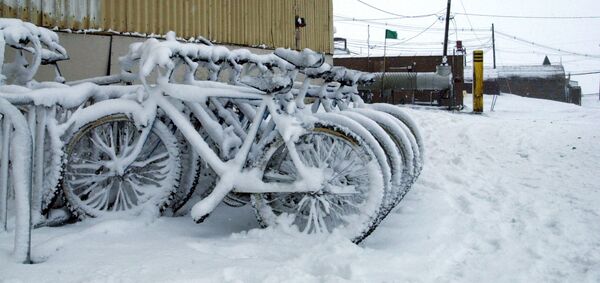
397, 15
354, 21
468, 20
584, 73
417, 35
515, 38
531, 51
529, 17
342, 18
421, 44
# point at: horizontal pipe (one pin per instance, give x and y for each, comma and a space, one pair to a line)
439, 80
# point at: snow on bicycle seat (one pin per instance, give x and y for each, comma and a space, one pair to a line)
315, 73
302, 60
366, 79
270, 84
342, 75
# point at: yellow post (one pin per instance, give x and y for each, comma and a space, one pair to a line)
478, 81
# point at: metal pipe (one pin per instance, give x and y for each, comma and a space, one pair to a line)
439, 80
6, 131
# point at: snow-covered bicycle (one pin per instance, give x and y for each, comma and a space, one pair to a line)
317, 168
231, 123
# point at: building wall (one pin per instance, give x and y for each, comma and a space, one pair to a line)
552, 88
490, 86
410, 64
239, 22
94, 55
574, 94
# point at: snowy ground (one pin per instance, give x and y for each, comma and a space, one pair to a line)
507, 196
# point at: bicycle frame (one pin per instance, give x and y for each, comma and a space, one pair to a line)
142, 104
144, 148
233, 174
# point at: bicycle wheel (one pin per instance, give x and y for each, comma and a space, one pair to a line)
196, 176
51, 166
411, 129
350, 200
401, 142
95, 183
391, 151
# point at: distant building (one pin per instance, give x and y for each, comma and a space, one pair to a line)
544, 81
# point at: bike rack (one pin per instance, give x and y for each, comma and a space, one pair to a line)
34, 113
17, 154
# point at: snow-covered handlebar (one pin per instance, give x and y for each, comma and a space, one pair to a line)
42, 43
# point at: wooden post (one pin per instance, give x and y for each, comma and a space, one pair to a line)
478, 81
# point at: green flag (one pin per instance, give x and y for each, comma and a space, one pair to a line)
391, 34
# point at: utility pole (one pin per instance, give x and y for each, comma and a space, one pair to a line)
368, 41
446, 33
383, 75
494, 46
368, 48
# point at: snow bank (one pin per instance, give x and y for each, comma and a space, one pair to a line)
506, 196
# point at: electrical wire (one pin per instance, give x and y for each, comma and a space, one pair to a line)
584, 73
529, 17
528, 42
397, 15
348, 20
415, 36
468, 20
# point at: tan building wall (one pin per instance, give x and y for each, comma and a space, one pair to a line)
240, 22
89, 55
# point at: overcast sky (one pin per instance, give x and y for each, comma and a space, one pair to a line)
569, 35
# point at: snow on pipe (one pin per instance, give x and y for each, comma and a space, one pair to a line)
21, 149
441, 79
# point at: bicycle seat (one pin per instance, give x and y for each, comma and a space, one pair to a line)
302, 60
335, 74
344, 76
366, 79
269, 85
315, 73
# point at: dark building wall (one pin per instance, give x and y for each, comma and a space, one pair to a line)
574, 94
410, 64
552, 88
489, 87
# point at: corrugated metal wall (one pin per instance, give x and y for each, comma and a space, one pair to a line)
244, 22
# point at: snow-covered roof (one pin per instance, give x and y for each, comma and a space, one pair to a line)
523, 71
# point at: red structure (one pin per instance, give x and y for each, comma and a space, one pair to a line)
451, 98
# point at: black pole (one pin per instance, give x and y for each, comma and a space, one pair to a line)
109, 65
494, 46
446, 30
